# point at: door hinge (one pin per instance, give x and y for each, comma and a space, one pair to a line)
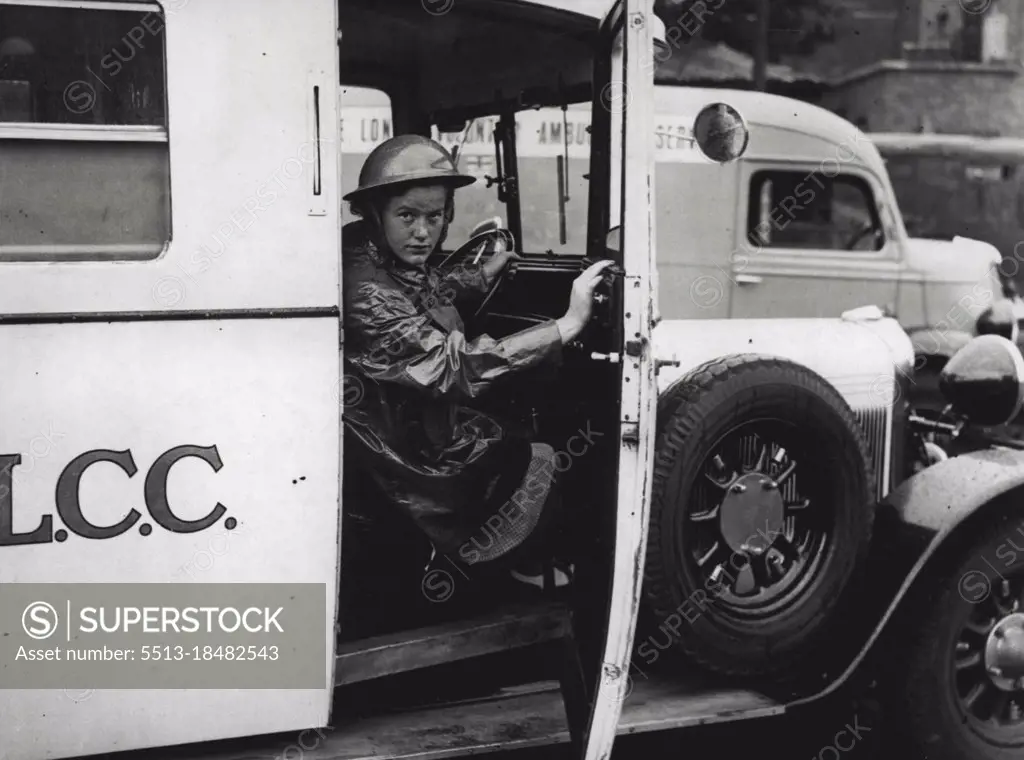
635, 348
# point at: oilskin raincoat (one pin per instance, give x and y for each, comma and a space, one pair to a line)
411, 377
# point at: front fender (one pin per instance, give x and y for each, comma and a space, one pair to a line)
929, 341
941, 497
928, 512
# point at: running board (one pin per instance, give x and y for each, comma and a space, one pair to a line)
404, 651
531, 716
660, 703
529, 720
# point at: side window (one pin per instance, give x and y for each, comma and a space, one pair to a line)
365, 123
812, 211
84, 169
554, 158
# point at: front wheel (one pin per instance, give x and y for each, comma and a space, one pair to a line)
960, 695
761, 515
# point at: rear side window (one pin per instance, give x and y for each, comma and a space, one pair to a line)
808, 210
84, 170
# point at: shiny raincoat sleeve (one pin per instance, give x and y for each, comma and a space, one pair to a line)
401, 344
465, 281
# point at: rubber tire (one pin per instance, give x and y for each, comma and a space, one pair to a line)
925, 723
692, 416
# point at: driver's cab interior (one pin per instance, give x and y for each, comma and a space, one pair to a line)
406, 613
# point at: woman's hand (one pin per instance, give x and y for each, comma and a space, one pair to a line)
498, 262
581, 301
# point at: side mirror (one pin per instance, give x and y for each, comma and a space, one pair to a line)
721, 133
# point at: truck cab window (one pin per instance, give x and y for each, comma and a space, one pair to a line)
84, 170
813, 211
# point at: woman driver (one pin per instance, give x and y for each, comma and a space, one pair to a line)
478, 492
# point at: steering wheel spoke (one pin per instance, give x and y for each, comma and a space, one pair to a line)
472, 245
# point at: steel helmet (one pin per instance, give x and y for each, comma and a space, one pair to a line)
408, 158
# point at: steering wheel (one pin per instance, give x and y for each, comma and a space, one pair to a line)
859, 234
473, 244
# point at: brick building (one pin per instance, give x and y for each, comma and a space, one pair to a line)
950, 66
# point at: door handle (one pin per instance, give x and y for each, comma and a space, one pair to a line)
748, 279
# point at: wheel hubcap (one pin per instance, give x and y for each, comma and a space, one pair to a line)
752, 536
751, 512
1004, 653
988, 665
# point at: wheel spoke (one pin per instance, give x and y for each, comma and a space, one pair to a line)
703, 560
722, 477
709, 514
974, 694
1004, 605
721, 484
786, 549
982, 629
786, 473
969, 661
762, 458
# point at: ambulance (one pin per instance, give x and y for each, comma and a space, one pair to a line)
186, 571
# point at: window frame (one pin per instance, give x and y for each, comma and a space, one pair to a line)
750, 215
103, 133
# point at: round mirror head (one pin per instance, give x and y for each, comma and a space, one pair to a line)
984, 380
721, 133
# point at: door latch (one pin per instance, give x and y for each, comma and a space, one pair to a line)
660, 362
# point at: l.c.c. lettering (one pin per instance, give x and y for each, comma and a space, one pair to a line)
69, 507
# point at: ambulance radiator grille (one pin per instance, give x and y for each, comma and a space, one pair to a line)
875, 424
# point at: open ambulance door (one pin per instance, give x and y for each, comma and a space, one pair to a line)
622, 172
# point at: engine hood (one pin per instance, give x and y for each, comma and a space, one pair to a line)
960, 260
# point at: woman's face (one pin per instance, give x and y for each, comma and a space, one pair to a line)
413, 222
